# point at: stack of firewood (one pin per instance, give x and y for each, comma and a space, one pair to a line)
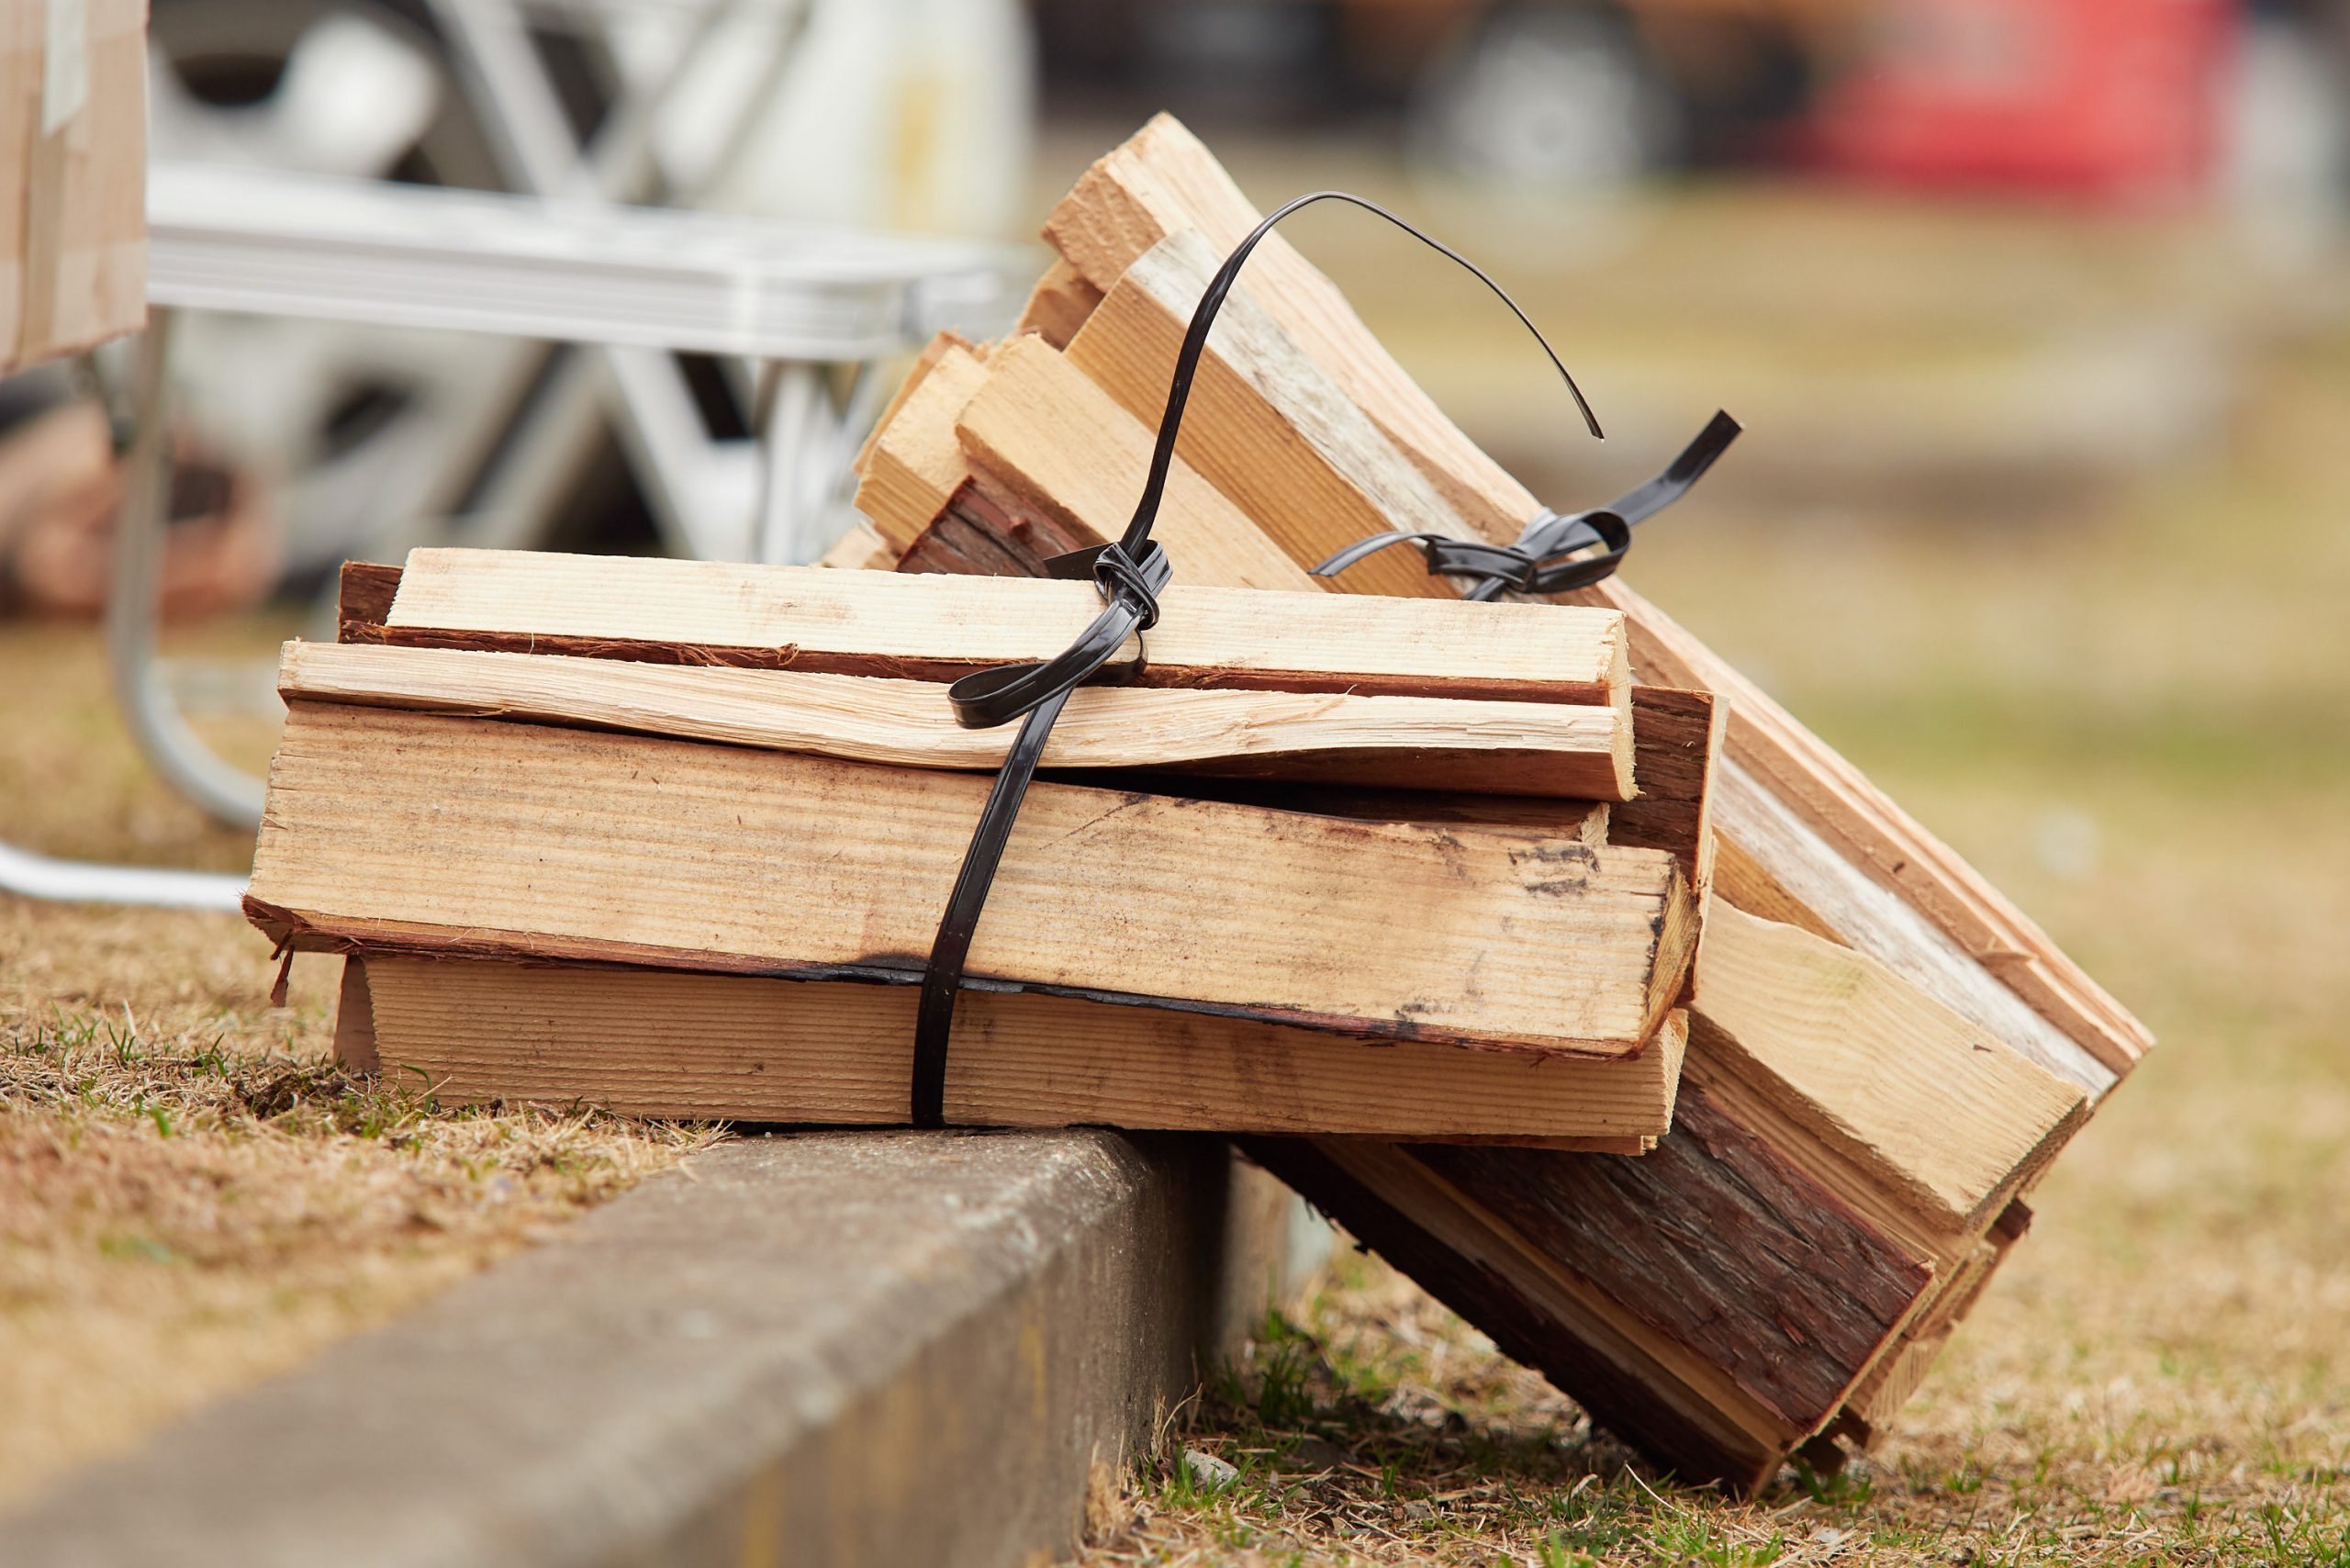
1406, 894
1883, 1053
676, 837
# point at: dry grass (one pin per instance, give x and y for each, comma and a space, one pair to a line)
192, 1196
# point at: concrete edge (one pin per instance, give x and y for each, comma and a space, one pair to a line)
830, 1347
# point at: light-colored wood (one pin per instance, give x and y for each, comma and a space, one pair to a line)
1162, 180
1933, 1105
1058, 305
914, 462
1039, 426
1519, 748
674, 1043
524, 840
1265, 424
1898, 1374
940, 344
879, 622
1865, 914
1856, 823
859, 549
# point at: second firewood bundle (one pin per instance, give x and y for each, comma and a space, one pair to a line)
1883, 1054
680, 835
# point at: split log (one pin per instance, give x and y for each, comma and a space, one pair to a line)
518, 840
1058, 306
1163, 180
1042, 435
1943, 1118
1716, 1360
860, 549
1776, 1086
991, 533
677, 1043
1265, 424
1861, 1231
1408, 743
925, 627
912, 462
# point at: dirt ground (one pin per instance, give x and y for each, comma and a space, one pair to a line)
2112, 669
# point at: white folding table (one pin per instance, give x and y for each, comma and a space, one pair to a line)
794, 300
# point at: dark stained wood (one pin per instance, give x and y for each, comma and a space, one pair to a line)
1794, 1313
1620, 1395
980, 535
364, 600
1677, 743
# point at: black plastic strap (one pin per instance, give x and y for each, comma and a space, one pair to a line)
1549, 555
1129, 575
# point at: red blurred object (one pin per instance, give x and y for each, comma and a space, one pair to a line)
2115, 100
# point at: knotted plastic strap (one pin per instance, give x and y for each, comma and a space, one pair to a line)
1129, 575
1548, 556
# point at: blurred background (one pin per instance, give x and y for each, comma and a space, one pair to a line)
2036, 311
1975, 252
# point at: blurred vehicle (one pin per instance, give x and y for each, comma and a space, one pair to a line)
1543, 93
2103, 99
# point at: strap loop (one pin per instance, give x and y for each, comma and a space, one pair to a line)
1548, 557
1129, 590
1129, 574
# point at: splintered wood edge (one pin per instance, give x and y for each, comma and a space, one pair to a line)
304, 932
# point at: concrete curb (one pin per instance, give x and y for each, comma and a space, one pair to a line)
845, 1347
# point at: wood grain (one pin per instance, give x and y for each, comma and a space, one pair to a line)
522, 840
673, 1043
1056, 440
932, 627
1265, 424
913, 461
1163, 180
1057, 305
1932, 1106
1518, 748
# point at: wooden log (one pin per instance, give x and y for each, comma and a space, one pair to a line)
1677, 740
926, 627
1777, 1108
1052, 440
528, 842
859, 549
1716, 1360
913, 461
1676, 747
1265, 424
1785, 1085
1058, 306
677, 1043
1840, 900
986, 532
1409, 743
1163, 180
1942, 1117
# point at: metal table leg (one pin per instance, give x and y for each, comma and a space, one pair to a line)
146, 707
795, 425
228, 793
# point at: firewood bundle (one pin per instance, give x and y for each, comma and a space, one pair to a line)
675, 837
1883, 1053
